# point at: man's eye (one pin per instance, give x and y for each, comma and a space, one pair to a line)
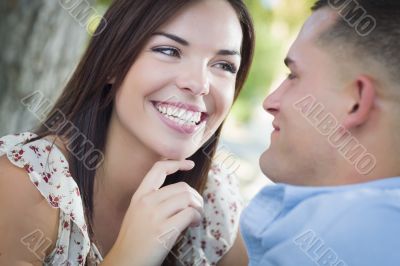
169, 51
291, 76
228, 67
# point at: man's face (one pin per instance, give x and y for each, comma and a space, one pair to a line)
299, 153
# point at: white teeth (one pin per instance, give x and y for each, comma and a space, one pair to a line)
179, 115
173, 110
186, 116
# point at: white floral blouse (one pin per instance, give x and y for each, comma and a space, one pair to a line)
49, 172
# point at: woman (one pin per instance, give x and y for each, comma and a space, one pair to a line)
151, 90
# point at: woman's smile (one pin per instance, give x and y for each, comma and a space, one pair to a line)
182, 117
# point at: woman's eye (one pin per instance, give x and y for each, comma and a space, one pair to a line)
228, 67
169, 51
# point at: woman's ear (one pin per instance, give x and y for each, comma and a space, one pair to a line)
110, 80
363, 93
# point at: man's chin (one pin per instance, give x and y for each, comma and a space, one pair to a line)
270, 167
265, 163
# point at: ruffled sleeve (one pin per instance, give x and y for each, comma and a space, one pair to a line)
208, 243
48, 170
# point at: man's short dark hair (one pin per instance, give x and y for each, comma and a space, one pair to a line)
371, 28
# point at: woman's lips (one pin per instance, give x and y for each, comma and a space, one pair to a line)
181, 117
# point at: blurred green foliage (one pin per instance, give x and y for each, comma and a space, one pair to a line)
276, 23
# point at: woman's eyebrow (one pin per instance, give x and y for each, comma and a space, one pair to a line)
173, 37
186, 43
228, 52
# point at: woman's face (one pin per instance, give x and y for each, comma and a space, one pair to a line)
181, 87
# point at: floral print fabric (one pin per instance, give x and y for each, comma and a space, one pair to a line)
48, 170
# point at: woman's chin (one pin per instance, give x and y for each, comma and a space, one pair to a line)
176, 153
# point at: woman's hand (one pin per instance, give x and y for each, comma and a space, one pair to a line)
156, 217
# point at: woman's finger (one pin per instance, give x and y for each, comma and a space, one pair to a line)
169, 191
157, 174
178, 203
182, 220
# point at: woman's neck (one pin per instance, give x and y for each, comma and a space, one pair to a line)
126, 162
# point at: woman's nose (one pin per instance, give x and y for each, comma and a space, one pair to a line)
195, 79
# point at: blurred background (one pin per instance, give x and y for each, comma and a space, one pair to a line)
42, 41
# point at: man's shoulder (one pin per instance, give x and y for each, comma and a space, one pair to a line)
361, 234
365, 199
354, 227
360, 212
357, 211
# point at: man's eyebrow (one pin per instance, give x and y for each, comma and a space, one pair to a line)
173, 37
289, 61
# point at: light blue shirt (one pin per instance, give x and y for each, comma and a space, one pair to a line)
353, 225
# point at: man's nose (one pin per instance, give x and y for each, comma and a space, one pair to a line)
271, 103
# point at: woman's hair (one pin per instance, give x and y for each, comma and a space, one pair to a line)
86, 102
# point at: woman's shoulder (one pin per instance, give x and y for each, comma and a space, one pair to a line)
219, 228
223, 201
43, 170
222, 198
29, 226
47, 169
43, 162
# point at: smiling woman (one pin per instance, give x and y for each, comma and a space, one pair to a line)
151, 91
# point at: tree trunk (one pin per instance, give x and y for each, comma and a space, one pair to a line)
41, 42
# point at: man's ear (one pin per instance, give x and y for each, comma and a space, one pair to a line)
362, 90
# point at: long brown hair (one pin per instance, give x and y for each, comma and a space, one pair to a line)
87, 100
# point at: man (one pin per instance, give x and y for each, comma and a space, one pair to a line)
335, 150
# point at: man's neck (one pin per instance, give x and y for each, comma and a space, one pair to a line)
343, 172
